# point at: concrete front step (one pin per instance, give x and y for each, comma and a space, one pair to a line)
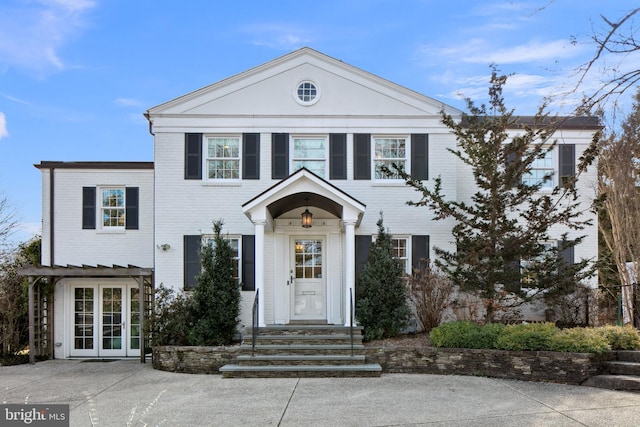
628, 356
300, 371
265, 360
309, 330
305, 339
622, 368
303, 349
614, 382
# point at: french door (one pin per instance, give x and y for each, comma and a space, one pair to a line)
106, 320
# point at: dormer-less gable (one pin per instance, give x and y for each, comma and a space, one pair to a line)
273, 89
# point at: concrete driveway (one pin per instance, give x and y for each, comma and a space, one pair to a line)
128, 393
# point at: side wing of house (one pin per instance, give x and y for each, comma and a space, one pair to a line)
97, 247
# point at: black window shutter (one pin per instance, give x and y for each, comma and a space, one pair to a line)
512, 274
338, 156
192, 246
192, 156
251, 156
88, 208
362, 156
566, 252
419, 252
362, 252
279, 155
248, 263
420, 156
567, 160
131, 208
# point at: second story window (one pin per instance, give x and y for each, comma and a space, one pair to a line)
310, 153
223, 158
386, 151
542, 170
113, 208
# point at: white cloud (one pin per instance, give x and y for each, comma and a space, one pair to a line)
3, 126
32, 33
278, 36
127, 102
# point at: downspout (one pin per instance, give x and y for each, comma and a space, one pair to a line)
51, 216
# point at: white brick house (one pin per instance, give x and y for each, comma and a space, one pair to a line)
304, 132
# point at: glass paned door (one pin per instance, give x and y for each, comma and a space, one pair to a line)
308, 290
134, 322
84, 333
113, 321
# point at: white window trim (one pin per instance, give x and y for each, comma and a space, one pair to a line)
210, 237
101, 228
292, 157
205, 159
407, 238
555, 166
314, 100
407, 159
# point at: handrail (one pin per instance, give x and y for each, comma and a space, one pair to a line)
351, 319
255, 326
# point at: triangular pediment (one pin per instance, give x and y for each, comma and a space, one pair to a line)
271, 90
300, 188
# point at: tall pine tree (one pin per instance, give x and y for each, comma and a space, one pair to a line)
381, 296
216, 296
502, 233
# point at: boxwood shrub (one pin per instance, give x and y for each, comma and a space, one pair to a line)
535, 336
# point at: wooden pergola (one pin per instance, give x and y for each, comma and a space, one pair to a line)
143, 276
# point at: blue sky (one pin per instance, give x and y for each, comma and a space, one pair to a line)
76, 76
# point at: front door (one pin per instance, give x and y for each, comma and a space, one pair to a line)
106, 321
308, 299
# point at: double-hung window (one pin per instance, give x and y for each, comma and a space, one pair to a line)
112, 208
542, 171
234, 242
401, 252
223, 158
310, 152
388, 151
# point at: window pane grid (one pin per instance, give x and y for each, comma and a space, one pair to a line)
388, 151
307, 92
223, 158
235, 253
113, 207
83, 319
310, 153
308, 259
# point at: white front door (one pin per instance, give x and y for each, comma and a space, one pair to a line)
105, 321
308, 283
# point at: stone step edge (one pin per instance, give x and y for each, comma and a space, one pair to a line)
315, 357
302, 347
370, 367
614, 382
307, 337
307, 327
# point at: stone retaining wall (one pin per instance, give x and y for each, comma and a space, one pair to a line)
567, 368
193, 360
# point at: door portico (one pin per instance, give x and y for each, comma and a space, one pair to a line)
275, 214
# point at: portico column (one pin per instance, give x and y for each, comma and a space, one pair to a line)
350, 267
259, 266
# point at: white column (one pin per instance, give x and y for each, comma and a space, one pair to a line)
259, 266
350, 267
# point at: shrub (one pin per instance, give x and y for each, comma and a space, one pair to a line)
430, 292
620, 337
170, 319
579, 340
534, 336
381, 296
453, 334
485, 336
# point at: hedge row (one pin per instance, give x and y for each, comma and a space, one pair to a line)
535, 336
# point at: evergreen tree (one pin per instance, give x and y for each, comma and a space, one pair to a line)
381, 297
501, 233
216, 296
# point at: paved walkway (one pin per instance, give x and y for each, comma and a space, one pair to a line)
127, 393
